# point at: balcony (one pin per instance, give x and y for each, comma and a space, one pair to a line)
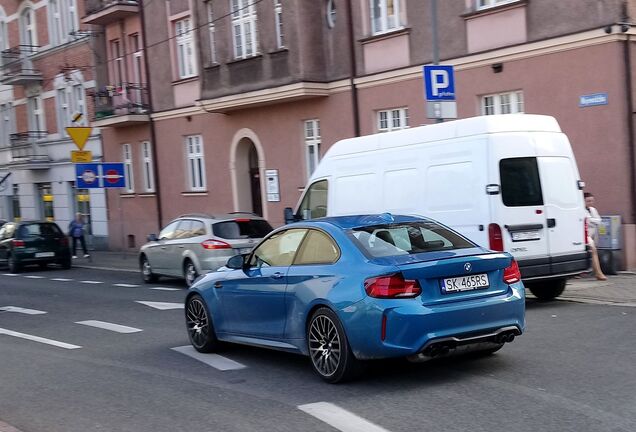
102, 12
25, 150
120, 106
16, 67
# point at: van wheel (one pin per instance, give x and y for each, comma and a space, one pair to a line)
547, 290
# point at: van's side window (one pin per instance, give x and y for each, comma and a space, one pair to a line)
520, 184
314, 204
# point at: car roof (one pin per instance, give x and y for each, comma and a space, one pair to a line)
220, 217
356, 221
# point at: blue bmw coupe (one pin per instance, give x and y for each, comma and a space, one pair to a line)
351, 288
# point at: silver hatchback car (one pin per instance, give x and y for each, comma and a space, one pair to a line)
194, 244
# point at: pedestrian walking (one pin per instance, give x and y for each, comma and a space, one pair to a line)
593, 220
76, 232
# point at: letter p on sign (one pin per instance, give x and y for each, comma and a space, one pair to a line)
439, 83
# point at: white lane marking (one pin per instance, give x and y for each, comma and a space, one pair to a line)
216, 361
91, 282
10, 274
34, 277
165, 289
38, 339
123, 285
161, 305
340, 418
61, 279
109, 326
21, 310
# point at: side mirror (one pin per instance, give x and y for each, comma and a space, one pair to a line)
152, 237
289, 215
236, 262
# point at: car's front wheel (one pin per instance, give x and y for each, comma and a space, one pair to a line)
14, 265
547, 290
190, 273
329, 350
146, 271
199, 324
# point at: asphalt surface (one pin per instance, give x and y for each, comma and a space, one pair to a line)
573, 370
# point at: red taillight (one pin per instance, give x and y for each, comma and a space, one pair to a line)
585, 232
17, 243
512, 273
495, 238
215, 244
392, 286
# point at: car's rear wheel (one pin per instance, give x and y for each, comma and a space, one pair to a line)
199, 325
547, 290
43, 265
14, 265
146, 271
329, 350
190, 273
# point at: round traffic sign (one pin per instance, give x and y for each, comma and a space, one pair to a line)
89, 176
112, 176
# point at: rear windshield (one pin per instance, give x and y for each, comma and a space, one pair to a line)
520, 184
407, 238
242, 228
39, 230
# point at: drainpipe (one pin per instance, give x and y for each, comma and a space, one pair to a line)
153, 134
354, 71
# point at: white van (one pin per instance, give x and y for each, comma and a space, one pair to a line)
507, 182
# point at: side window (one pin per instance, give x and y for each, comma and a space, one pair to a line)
198, 228
317, 248
314, 204
184, 230
278, 250
520, 184
168, 232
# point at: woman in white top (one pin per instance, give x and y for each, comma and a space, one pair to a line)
593, 220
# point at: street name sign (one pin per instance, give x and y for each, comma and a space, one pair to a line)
594, 99
79, 135
81, 156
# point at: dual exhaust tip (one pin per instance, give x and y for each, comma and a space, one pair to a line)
441, 349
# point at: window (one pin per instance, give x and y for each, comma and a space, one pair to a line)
63, 110
36, 114
484, 4
117, 58
520, 183
4, 37
79, 105
312, 145
6, 123
128, 168
394, 119
242, 229
146, 160
502, 103
278, 250
278, 13
211, 29
168, 232
70, 100
15, 203
385, 15
331, 13
137, 59
196, 168
185, 51
314, 204
244, 28
318, 248
28, 35
62, 20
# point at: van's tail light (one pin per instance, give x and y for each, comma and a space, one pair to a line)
585, 232
512, 273
215, 244
392, 286
17, 243
495, 238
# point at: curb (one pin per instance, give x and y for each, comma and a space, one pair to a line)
103, 268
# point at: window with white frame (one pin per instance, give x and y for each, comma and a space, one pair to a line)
147, 168
62, 20
4, 36
6, 123
312, 145
185, 48
278, 13
117, 58
484, 4
195, 162
28, 34
211, 30
385, 15
63, 110
127, 158
36, 114
70, 100
393, 119
244, 28
137, 59
79, 103
502, 103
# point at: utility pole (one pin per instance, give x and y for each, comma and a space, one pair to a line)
435, 40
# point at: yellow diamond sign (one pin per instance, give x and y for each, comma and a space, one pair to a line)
79, 135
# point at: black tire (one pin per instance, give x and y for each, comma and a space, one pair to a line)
332, 359
547, 290
43, 265
66, 263
190, 273
199, 325
146, 271
14, 265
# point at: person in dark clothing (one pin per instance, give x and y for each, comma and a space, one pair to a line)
76, 232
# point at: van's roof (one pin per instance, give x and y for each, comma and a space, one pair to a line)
447, 130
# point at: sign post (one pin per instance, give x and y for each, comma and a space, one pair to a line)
439, 87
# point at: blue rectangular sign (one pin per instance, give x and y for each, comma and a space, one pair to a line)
87, 176
113, 175
439, 83
593, 99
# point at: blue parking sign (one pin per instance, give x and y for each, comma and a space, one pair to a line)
439, 83
113, 175
87, 176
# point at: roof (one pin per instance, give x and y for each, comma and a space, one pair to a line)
220, 216
348, 222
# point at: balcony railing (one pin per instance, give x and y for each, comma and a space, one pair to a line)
121, 105
16, 66
102, 12
26, 149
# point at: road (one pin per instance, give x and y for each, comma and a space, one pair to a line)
573, 370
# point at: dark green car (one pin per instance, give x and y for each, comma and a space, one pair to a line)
33, 242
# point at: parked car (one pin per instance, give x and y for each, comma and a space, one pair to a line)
194, 244
350, 288
33, 242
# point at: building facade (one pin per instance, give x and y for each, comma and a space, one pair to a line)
46, 71
248, 94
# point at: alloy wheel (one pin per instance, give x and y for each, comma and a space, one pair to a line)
190, 273
197, 322
324, 345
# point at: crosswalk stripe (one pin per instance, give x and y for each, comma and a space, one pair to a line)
38, 339
165, 289
34, 277
109, 326
161, 305
25, 311
340, 418
124, 285
91, 282
61, 279
216, 361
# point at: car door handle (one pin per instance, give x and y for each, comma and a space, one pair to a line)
163, 247
218, 284
551, 223
181, 247
277, 275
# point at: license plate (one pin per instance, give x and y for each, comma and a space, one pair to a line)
465, 283
44, 254
525, 235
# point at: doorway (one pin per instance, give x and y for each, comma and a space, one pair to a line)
247, 174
